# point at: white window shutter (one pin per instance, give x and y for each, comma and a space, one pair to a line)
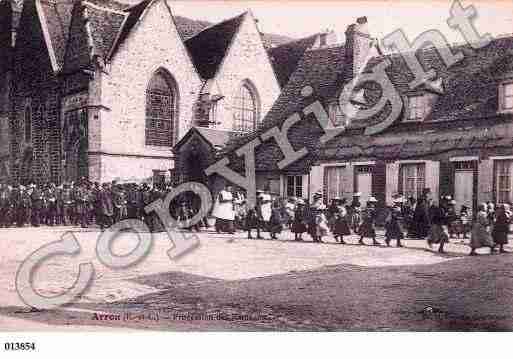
392, 180
433, 178
349, 181
501, 98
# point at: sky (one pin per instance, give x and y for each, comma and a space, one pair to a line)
302, 18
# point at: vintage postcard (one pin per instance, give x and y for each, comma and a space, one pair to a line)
255, 166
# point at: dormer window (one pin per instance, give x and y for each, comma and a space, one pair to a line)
418, 108
506, 96
323, 40
336, 116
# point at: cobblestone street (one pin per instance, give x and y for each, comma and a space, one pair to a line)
264, 285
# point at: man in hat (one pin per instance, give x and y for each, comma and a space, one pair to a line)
37, 205
5, 205
106, 206
81, 204
50, 196
24, 210
67, 204
146, 201
120, 203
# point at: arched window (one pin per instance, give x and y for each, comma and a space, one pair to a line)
161, 103
28, 123
245, 109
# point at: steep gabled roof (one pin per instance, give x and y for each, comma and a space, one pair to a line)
56, 18
189, 27
323, 70
105, 25
209, 47
214, 137
286, 57
133, 14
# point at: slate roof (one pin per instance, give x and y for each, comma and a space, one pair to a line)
112, 21
189, 27
105, 26
58, 18
470, 98
209, 47
133, 15
215, 137
322, 69
470, 85
286, 57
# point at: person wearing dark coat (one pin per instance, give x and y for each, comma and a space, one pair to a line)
51, 205
81, 205
107, 206
501, 228
276, 221
67, 204
439, 231
37, 205
420, 222
340, 222
23, 207
367, 228
394, 223
299, 223
5, 206
252, 221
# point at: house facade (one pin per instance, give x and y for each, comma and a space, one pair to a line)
104, 90
452, 134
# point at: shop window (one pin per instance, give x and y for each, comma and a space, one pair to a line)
335, 181
412, 179
336, 116
418, 108
506, 97
503, 177
295, 186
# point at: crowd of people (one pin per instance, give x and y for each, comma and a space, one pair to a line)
81, 204
87, 204
434, 220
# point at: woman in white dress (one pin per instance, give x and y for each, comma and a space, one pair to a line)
224, 211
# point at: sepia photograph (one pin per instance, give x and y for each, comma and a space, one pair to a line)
255, 166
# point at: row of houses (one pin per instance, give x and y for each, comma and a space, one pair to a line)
454, 133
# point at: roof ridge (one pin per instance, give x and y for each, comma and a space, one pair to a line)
101, 8
215, 24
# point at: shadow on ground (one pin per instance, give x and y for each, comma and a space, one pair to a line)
466, 294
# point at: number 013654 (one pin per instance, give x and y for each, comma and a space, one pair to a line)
12, 346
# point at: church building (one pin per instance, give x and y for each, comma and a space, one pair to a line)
105, 90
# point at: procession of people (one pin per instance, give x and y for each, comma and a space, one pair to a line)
89, 204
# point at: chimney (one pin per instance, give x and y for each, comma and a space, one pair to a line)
358, 45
